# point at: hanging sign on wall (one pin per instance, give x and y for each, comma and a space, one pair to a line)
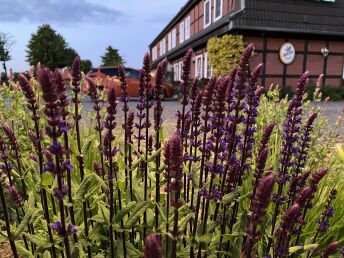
287, 53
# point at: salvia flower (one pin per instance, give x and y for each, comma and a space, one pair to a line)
11, 137
330, 249
110, 123
174, 160
159, 80
57, 227
71, 229
285, 229
153, 247
29, 94
327, 214
15, 195
257, 211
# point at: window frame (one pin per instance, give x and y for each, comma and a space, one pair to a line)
204, 13
221, 6
206, 63
174, 38
154, 53
169, 41
175, 71
181, 32
161, 48
199, 57
180, 65
187, 28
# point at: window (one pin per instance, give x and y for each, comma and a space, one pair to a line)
181, 32
154, 53
180, 71
169, 41
174, 37
217, 9
198, 68
109, 71
207, 13
130, 73
176, 72
187, 27
162, 46
207, 67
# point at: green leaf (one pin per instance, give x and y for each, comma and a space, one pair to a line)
47, 179
125, 210
23, 251
46, 254
162, 214
132, 251
137, 213
228, 198
85, 186
86, 146
183, 222
23, 225
154, 155
39, 241
309, 247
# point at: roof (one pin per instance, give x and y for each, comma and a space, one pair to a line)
306, 16
296, 18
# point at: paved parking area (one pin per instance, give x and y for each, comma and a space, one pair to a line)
331, 110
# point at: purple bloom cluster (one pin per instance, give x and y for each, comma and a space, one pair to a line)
257, 211
153, 247
173, 161
15, 195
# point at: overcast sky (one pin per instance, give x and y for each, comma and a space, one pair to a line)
88, 26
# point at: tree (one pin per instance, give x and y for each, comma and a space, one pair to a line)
49, 48
6, 43
224, 53
112, 57
85, 65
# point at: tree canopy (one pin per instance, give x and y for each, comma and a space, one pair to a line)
85, 65
6, 42
224, 53
49, 48
112, 57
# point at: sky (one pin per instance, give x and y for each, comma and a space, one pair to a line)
88, 26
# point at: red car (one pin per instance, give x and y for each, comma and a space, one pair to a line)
105, 76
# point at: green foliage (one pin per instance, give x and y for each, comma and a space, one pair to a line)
49, 48
224, 53
93, 190
85, 65
112, 57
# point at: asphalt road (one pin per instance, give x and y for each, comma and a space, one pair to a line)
331, 111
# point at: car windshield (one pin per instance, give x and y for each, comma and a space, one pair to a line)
109, 71
91, 71
132, 73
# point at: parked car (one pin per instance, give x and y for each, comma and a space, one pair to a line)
105, 76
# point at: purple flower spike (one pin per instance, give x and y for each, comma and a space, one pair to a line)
257, 211
153, 247
27, 90
72, 230
330, 249
57, 226
15, 195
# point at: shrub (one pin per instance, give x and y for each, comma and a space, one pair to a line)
243, 174
224, 53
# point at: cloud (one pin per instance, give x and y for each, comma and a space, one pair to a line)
57, 11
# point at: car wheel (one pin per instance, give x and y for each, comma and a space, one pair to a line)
164, 94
